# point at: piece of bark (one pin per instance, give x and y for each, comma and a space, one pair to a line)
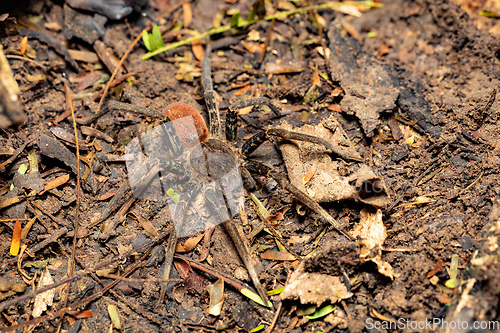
85, 27
370, 88
49, 146
11, 109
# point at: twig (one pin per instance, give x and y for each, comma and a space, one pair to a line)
115, 105
46, 212
119, 277
474, 182
71, 263
52, 239
269, 32
52, 42
275, 318
113, 204
116, 82
31, 61
209, 270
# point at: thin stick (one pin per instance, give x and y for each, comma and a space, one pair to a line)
120, 63
275, 319
121, 278
269, 32
31, 61
71, 263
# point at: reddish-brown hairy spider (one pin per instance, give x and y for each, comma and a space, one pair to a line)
206, 158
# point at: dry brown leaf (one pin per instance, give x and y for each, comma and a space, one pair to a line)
28, 226
315, 288
182, 267
253, 35
81, 314
328, 185
147, 225
315, 79
335, 107
310, 173
273, 218
251, 47
43, 300
443, 298
437, 267
246, 110
351, 30
24, 43
55, 183
84, 56
216, 292
243, 90
277, 255
349, 10
106, 195
187, 16
189, 244
324, 52
54, 26
285, 66
336, 92
36, 78
198, 50
96, 145
114, 316
372, 234
384, 49
374, 313
11, 286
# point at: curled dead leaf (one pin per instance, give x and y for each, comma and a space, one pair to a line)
43, 300
216, 292
372, 234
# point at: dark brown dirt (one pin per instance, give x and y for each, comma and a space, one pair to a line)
444, 60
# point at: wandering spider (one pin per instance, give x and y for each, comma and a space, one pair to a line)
201, 166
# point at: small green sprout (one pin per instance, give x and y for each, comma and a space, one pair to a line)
153, 41
173, 195
322, 312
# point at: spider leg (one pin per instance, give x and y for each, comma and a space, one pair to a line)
248, 181
232, 114
264, 170
179, 215
258, 139
239, 244
169, 255
210, 98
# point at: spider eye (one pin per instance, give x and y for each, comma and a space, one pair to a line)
180, 110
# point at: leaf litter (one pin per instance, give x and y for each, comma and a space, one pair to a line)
448, 222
